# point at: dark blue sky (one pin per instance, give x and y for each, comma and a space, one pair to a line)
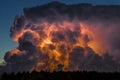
10, 8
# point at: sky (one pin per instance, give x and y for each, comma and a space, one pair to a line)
10, 8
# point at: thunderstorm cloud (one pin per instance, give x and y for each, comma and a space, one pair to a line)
80, 37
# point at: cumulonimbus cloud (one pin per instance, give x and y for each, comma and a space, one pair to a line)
80, 37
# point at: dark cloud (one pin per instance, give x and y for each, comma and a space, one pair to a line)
92, 62
34, 30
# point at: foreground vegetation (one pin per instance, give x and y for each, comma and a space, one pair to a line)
61, 76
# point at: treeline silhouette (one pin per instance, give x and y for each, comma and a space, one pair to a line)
61, 76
